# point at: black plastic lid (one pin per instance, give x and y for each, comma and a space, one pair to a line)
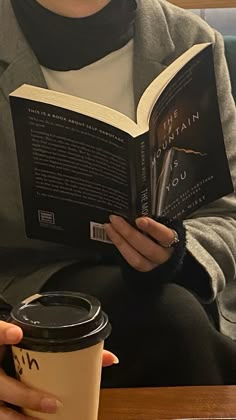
60, 321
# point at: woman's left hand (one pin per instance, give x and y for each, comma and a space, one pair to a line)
140, 251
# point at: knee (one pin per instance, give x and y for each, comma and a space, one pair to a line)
170, 314
179, 314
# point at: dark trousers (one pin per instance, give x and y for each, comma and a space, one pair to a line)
162, 338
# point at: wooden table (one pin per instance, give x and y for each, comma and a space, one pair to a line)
168, 403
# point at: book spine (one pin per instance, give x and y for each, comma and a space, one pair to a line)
141, 160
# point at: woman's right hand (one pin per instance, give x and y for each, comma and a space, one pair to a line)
13, 391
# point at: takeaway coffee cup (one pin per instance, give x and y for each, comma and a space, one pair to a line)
61, 350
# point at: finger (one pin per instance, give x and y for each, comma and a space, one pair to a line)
109, 359
158, 231
16, 393
9, 414
144, 245
131, 255
9, 333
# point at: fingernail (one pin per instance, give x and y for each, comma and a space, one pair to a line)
142, 223
12, 333
50, 405
116, 360
113, 218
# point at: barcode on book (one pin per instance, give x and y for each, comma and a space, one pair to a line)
98, 233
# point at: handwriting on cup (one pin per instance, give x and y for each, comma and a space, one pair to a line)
25, 361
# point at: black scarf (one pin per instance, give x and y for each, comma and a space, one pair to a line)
62, 43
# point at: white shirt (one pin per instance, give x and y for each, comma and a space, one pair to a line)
108, 81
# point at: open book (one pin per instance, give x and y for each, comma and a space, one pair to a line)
80, 161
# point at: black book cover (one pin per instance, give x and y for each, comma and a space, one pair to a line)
75, 171
189, 163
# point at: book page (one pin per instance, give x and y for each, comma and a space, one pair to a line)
155, 89
80, 105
